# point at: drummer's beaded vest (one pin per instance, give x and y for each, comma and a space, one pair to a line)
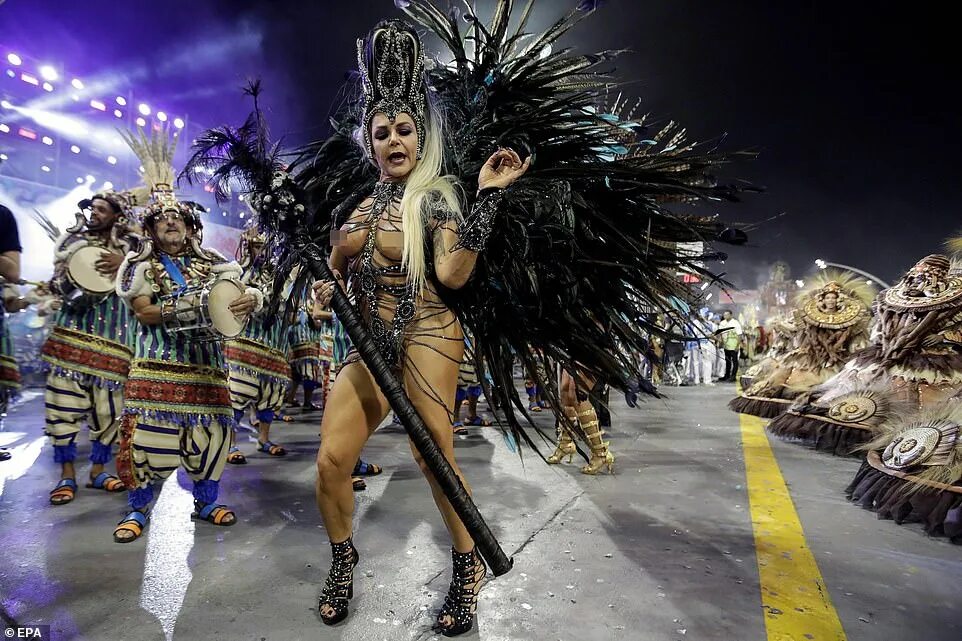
173, 378
92, 342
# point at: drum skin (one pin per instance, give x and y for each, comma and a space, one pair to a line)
82, 272
222, 294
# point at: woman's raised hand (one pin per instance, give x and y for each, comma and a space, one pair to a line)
502, 168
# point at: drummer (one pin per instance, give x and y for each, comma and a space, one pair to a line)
88, 351
257, 362
177, 410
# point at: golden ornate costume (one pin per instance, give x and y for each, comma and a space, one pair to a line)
831, 322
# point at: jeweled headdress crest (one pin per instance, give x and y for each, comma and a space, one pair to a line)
391, 62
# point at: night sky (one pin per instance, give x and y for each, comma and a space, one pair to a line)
848, 106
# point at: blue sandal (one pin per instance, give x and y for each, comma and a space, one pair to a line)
216, 514
363, 468
270, 448
64, 492
106, 482
134, 522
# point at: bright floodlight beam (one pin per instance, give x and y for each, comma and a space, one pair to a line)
14, 59
47, 72
77, 84
179, 123
144, 109
161, 116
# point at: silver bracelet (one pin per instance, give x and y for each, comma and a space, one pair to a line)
473, 233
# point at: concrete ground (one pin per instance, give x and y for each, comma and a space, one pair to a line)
661, 550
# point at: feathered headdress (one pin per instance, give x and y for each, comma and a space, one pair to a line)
839, 283
156, 155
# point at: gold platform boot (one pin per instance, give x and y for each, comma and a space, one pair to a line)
565, 446
601, 457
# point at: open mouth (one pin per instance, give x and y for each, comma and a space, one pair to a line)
397, 157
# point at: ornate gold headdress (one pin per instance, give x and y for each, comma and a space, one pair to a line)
854, 300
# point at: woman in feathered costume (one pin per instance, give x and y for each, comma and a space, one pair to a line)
583, 248
831, 321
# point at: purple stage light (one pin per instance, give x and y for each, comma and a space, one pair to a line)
141, 122
45, 169
121, 101
6, 104
144, 109
112, 160
30, 80
98, 105
14, 59
90, 178
4, 157
161, 116
47, 86
118, 113
107, 185
47, 72
179, 123
5, 128
47, 140
77, 84
75, 149
11, 73
80, 180
27, 133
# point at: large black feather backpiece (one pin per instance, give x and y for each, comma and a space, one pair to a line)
585, 248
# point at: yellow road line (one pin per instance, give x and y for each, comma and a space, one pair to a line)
795, 599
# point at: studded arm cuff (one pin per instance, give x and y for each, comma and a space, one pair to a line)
474, 231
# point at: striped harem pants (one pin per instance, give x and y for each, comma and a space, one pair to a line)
70, 401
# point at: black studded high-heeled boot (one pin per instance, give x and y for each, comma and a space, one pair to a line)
457, 614
339, 588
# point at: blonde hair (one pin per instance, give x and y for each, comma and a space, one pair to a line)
424, 191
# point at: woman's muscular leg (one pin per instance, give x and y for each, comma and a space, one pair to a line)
430, 380
356, 407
